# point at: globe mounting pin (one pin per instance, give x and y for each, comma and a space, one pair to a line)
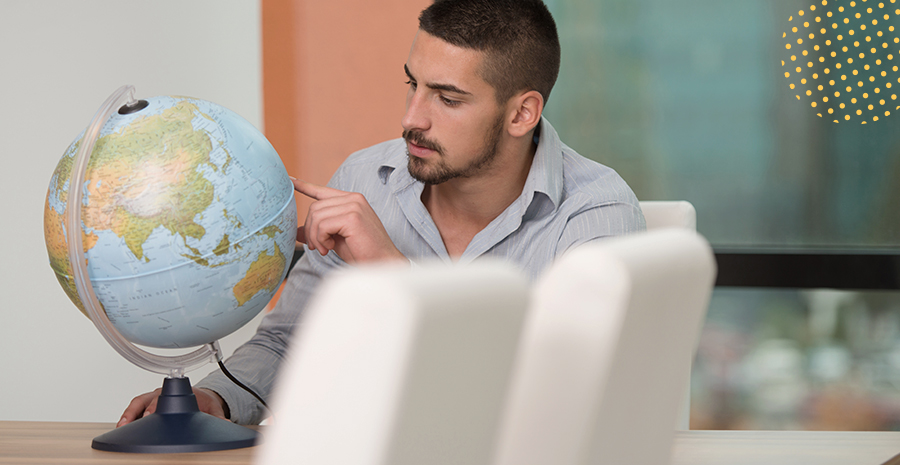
133, 107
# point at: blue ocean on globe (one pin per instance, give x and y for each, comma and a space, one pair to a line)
188, 218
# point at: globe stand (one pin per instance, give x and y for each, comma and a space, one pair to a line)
177, 426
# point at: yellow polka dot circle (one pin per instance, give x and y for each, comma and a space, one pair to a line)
839, 58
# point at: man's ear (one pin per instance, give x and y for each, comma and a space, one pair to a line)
526, 109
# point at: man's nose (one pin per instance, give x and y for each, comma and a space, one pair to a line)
416, 117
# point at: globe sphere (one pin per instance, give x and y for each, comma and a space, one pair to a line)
188, 222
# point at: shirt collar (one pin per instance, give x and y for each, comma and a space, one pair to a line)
546, 172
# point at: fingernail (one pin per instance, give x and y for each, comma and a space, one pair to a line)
292, 177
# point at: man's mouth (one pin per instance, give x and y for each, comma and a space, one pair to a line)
419, 147
417, 150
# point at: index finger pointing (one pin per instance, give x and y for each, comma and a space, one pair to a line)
315, 191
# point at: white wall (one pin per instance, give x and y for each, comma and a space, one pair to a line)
59, 60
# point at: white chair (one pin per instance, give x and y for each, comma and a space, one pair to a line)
669, 214
400, 367
601, 370
661, 214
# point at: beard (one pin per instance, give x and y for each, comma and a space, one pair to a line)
439, 171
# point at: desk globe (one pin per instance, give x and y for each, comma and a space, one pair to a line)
188, 225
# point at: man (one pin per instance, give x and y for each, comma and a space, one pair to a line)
478, 173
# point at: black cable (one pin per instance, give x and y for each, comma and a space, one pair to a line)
241, 385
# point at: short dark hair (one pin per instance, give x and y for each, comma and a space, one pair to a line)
518, 37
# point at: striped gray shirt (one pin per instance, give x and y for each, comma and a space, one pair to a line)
567, 200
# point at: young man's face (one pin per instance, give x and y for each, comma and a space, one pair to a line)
453, 125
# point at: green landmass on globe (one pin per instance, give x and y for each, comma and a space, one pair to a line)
188, 218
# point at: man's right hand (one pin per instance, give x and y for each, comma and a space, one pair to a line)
346, 223
145, 404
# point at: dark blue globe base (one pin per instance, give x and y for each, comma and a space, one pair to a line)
177, 426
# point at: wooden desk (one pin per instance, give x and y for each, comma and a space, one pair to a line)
37, 442
784, 448
34, 442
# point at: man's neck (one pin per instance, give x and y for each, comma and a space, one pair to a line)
462, 207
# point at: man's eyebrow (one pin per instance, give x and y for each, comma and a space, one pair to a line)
444, 87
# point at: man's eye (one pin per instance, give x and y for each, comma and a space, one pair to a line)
449, 102
411, 83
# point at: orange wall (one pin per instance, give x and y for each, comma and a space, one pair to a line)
333, 79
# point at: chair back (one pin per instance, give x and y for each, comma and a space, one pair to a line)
399, 366
669, 214
673, 214
602, 370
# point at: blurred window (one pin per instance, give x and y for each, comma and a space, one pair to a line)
778, 120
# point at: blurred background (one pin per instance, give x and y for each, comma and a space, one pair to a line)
686, 99
689, 100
